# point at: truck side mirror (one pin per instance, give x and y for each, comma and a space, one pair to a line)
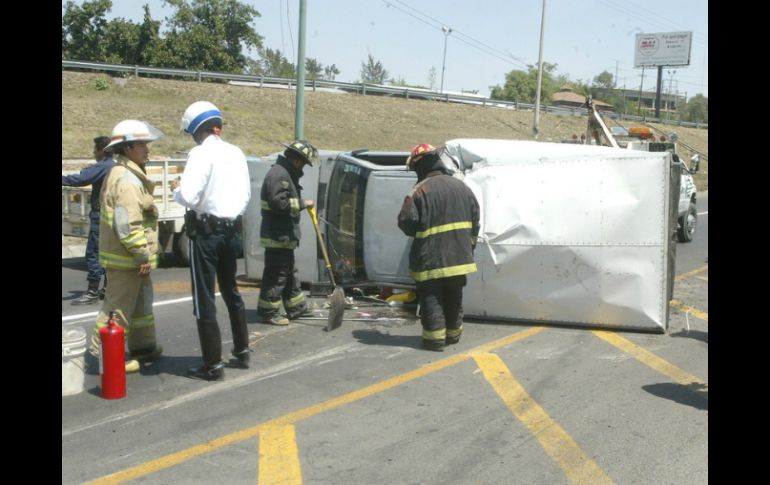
695, 159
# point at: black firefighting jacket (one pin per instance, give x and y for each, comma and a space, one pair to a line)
442, 215
281, 202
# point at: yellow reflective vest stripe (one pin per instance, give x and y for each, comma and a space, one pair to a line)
454, 226
447, 272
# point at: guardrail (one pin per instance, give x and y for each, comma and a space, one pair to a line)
364, 89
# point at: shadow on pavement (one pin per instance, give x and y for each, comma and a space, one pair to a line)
694, 394
694, 334
374, 337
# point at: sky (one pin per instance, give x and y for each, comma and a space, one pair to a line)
489, 38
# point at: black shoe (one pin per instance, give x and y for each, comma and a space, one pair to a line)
240, 359
101, 293
434, 345
87, 298
452, 340
206, 373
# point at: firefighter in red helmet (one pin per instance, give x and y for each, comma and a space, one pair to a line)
442, 215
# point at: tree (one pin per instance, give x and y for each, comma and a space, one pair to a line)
373, 72
432, 78
274, 64
603, 85
330, 72
522, 86
210, 35
83, 29
696, 110
313, 68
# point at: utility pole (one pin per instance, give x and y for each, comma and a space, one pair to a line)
536, 124
668, 105
446, 31
299, 115
640, 91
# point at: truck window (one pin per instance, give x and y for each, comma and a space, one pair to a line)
344, 215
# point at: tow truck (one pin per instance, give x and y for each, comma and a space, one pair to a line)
643, 138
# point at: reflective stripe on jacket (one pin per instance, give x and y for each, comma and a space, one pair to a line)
280, 203
129, 219
442, 215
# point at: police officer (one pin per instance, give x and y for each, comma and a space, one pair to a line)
281, 202
442, 215
215, 187
93, 175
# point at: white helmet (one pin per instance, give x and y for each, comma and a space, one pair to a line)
198, 113
134, 130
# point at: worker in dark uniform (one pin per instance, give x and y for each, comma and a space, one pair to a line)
215, 186
281, 202
442, 215
93, 175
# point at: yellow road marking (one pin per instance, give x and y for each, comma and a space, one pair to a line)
279, 457
648, 358
690, 273
577, 466
692, 311
291, 418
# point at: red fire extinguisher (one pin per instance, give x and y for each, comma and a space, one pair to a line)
112, 360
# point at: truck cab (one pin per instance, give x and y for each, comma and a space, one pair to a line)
643, 139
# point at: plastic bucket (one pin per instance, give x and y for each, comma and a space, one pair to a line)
73, 347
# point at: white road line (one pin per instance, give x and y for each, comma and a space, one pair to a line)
157, 303
703, 213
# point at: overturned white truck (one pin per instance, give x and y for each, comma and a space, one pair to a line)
570, 234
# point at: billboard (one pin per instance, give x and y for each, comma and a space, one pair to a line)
663, 49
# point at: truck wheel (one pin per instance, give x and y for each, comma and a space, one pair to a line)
182, 248
686, 225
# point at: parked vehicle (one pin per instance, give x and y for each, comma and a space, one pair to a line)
570, 234
76, 207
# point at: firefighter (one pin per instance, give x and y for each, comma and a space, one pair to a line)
128, 242
281, 203
216, 188
442, 215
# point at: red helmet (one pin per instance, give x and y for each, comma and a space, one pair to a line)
417, 153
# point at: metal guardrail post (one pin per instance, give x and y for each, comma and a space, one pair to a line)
406, 93
199, 76
136, 71
363, 90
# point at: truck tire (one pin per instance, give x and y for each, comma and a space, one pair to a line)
182, 248
685, 230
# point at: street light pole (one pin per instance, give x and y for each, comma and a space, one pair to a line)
536, 122
446, 31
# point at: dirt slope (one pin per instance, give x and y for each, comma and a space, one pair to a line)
257, 119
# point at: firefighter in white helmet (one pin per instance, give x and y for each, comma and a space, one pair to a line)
215, 187
128, 242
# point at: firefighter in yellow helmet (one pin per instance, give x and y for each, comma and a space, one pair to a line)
281, 201
442, 215
128, 242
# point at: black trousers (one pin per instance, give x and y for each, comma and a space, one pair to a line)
214, 255
280, 281
441, 307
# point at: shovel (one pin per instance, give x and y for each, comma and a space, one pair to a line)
337, 298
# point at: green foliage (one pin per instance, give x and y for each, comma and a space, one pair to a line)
274, 64
330, 72
373, 71
203, 35
102, 84
696, 109
83, 28
522, 86
313, 68
604, 80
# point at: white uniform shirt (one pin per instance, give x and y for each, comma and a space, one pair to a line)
215, 180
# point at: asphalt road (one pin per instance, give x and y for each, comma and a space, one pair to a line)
513, 404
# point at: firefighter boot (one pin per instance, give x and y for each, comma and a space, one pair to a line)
90, 296
241, 348
211, 348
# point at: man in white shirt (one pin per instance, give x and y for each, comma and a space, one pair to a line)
215, 187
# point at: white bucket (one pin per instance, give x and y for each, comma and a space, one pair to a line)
73, 346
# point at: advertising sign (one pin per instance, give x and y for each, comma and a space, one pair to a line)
663, 49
